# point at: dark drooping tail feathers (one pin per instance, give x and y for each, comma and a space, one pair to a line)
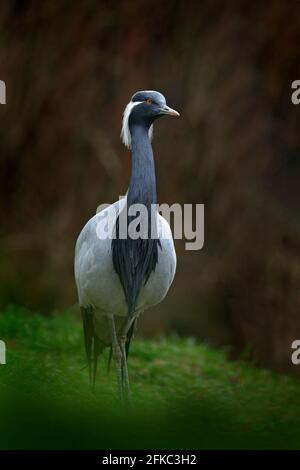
134, 261
93, 346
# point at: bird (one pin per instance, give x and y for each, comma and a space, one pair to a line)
119, 277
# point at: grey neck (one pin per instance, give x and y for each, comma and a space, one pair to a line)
135, 259
142, 186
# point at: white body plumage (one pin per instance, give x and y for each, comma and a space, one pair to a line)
97, 282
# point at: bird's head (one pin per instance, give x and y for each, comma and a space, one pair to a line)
143, 109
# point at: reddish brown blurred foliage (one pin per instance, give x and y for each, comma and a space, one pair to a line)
70, 68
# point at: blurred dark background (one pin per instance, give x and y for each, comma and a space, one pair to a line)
70, 67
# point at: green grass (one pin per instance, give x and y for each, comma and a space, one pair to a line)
185, 395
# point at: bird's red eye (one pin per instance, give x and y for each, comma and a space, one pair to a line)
149, 101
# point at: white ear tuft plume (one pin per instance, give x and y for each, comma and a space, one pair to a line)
150, 133
125, 131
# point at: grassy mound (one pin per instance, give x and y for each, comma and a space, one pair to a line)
184, 395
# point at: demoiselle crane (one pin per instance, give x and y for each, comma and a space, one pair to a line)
118, 276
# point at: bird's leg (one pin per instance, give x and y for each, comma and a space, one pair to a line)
117, 355
125, 379
123, 340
